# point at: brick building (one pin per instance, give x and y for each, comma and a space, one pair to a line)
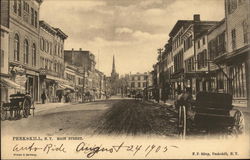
84, 60
24, 44
51, 68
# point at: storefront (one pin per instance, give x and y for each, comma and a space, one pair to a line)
31, 86
8, 87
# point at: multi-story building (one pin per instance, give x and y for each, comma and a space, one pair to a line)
74, 82
4, 70
100, 84
184, 34
51, 59
84, 60
237, 59
24, 44
216, 40
138, 82
168, 71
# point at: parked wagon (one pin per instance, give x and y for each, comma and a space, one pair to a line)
211, 112
18, 107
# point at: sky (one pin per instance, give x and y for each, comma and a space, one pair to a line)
132, 30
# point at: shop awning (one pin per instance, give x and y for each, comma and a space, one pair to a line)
9, 83
65, 86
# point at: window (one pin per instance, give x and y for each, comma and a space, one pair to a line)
35, 19
132, 84
189, 43
42, 62
145, 77
46, 63
34, 55
203, 40
144, 84
26, 7
62, 51
55, 66
232, 5
50, 51
26, 52
15, 6
42, 44
199, 45
2, 58
133, 78
202, 59
221, 44
139, 84
233, 34
19, 8
55, 49
245, 31
238, 76
47, 46
16, 48
58, 50
32, 17
139, 78
189, 64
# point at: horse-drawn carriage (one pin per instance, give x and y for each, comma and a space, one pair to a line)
88, 97
18, 107
210, 113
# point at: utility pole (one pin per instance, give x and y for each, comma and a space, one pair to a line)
83, 84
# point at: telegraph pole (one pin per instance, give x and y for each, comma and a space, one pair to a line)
83, 84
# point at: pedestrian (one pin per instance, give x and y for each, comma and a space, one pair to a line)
60, 97
43, 97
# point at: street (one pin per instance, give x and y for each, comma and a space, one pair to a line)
106, 117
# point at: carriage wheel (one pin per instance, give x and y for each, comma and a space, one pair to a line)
182, 123
239, 123
26, 108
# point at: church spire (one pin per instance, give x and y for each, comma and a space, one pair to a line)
113, 66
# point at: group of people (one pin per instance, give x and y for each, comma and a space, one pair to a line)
59, 95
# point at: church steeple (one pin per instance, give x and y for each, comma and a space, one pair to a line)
113, 66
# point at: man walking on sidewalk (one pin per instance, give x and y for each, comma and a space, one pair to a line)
43, 97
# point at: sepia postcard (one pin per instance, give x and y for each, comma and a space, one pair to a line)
125, 79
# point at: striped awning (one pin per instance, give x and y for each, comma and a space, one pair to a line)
10, 84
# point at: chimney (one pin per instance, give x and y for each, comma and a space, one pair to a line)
72, 49
80, 49
197, 17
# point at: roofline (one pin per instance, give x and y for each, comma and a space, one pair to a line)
46, 26
60, 33
177, 24
188, 21
217, 25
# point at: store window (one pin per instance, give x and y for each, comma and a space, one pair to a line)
238, 76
